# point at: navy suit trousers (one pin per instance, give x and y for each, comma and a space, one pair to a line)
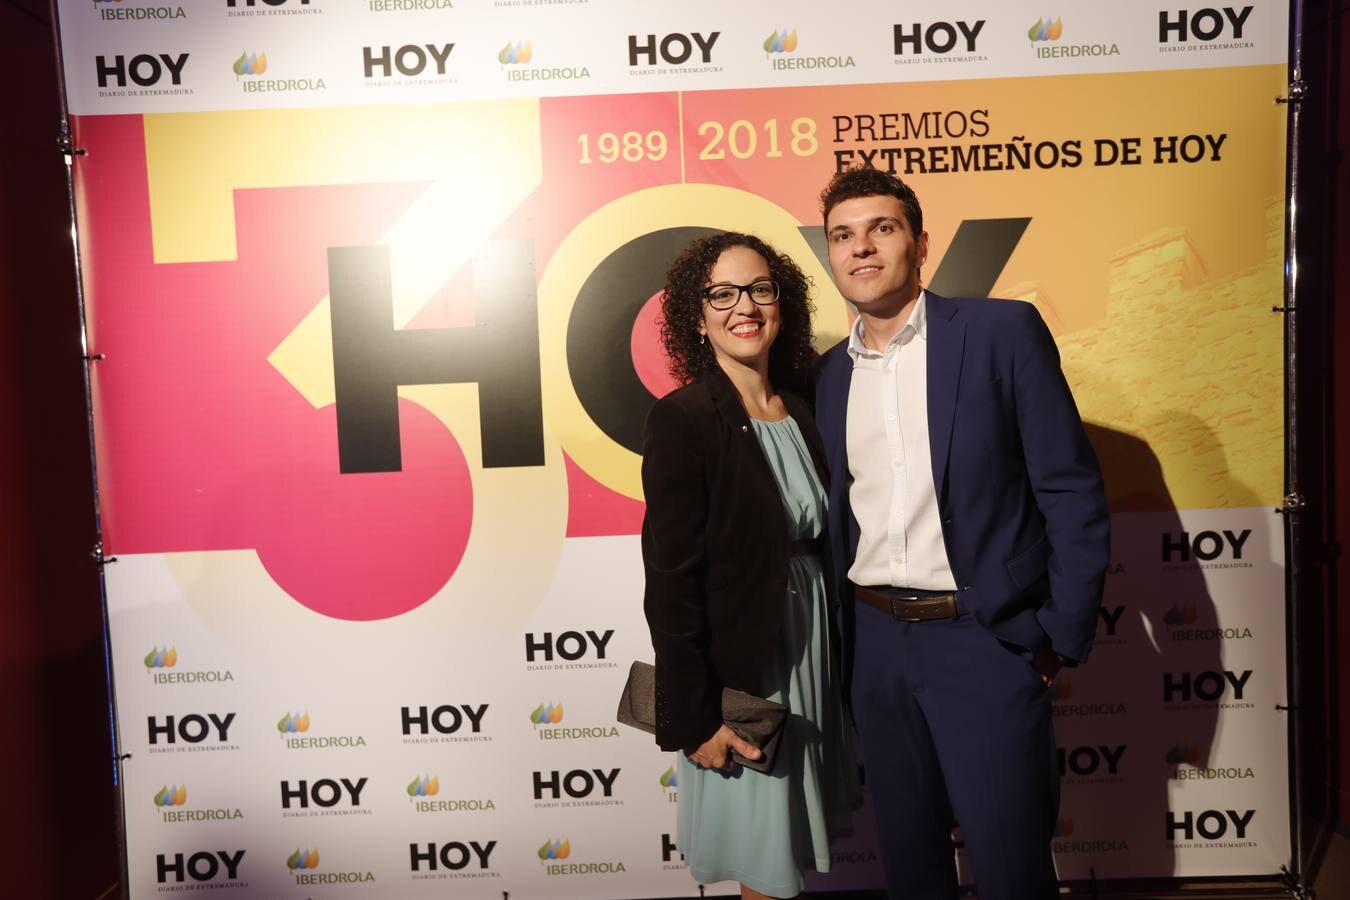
955, 726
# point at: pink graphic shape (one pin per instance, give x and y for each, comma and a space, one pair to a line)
595, 510
203, 445
649, 358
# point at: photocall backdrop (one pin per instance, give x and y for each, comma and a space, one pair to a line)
374, 284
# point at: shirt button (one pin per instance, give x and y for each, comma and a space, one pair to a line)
891, 417
900, 557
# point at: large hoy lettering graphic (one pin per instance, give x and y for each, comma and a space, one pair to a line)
500, 352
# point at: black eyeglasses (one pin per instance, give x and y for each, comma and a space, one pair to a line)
725, 296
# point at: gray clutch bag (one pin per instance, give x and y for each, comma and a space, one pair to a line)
754, 719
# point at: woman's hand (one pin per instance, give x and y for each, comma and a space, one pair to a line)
715, 752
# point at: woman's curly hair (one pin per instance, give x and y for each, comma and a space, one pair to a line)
791, 356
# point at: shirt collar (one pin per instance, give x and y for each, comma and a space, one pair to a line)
917, 324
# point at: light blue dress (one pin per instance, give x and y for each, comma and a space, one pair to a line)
760, 829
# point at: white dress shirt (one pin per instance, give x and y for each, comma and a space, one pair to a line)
892, 492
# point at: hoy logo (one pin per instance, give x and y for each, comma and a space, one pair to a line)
453, 856
1110, 618
410, 59
577, 783
325, 792
446, 719
192, 729
1205, 685
940, 37
570, 645
1089, 760
1203, 24
202, 866
672, 49
143, 69
1206, 545
1212, 824
252, 3
668, 849
371, 359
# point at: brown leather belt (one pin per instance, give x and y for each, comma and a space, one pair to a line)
911, 607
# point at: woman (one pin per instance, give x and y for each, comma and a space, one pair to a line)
733, 473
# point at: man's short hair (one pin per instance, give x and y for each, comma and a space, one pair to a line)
866, 181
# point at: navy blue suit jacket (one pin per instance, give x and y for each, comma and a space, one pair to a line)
1024, 516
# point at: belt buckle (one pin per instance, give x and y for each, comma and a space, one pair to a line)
895, 610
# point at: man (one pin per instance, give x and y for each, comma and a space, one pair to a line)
970, 537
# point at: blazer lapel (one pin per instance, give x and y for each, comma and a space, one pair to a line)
725, 399
737, 422
946, 346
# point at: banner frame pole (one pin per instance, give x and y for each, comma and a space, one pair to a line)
66, 145
1294, 502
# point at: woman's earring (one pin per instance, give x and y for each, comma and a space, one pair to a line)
702, 339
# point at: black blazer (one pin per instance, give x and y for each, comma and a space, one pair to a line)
714, 547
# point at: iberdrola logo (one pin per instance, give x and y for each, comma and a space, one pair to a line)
669, 780
516, 54
251, 64
303, 859
293, 722
555, 850
426, 786
781, 41
162, 659
547, 715
171, 796
1180, 615
1183, 753
1046, 30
